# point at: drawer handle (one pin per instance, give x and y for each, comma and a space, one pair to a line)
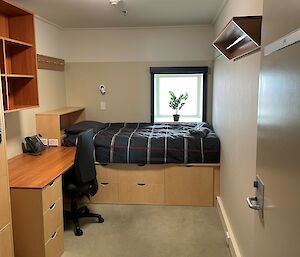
141, 184
52, 206
104, 183
54, 235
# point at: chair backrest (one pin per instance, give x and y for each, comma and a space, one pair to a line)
84, 164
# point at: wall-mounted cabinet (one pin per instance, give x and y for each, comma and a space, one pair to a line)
241, 36
17, 58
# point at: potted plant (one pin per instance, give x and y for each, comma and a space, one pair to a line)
176, 103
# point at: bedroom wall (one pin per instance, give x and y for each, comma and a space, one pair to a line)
235, 120
52, 92
120, 59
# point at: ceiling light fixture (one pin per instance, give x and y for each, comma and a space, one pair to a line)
114, 2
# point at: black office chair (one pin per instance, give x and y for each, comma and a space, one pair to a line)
81, 180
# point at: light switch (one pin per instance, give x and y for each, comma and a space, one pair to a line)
102, 106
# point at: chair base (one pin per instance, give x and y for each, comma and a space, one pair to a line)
82, 212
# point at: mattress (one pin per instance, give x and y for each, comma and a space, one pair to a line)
145, 143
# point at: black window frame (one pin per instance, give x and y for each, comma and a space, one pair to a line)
180, 70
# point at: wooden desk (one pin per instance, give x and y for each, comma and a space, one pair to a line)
36, 200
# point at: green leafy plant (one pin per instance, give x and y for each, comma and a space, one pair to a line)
176, 103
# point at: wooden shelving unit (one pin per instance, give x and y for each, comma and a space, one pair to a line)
241, 36
18, 62
51, 124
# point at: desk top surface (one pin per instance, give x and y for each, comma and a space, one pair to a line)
27, 171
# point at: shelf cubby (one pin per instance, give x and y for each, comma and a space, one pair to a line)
17, 58
22, 93
241, 36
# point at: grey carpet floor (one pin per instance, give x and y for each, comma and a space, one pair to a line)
149, 231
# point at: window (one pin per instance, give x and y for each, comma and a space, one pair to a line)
180, 80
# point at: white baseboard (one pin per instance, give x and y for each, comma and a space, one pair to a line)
230, 237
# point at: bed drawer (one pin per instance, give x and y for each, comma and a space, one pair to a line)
142, 175
141, 193
189, 185
6, 245
107, 173
4, 202
108, 193
51, 193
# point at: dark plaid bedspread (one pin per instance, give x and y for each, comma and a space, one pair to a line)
146, 143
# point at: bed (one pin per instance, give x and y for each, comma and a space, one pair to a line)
161, 163
146, 143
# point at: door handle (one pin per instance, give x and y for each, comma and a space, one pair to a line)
252, 205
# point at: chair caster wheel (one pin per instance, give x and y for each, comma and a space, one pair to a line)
100, 220
78, 232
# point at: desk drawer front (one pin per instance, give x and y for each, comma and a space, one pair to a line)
4, 202
53, 219
52, 193
55, 246
6, 243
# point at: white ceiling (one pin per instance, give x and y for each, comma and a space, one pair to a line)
141, 13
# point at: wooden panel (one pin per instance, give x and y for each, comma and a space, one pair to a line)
4, 202
146, 176
4, 32
4, 93
48, 126
50, 63
20, 59
6, 245
27, 221
216, 184
108, 193
52, 193
22, 92
55, 246
2, 57
66, 120
107, 173
133, 193
53, 219
9, 9
189, 186
22, 28
27, 171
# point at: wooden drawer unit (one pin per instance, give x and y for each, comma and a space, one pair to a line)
55, 245
196, 184
51, 193
142, 184
6, 242
108, 185
189, 185
38, 213
53, 219
4, 202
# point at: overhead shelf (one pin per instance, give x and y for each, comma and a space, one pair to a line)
241, 36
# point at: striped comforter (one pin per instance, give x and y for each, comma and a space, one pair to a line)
146, 143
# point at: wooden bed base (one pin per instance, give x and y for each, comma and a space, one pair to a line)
194, 184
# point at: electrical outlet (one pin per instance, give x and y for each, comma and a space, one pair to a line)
53, 142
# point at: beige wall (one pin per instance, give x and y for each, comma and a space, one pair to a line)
51, 89
235, 120
190, 43
128, 88
120, 59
